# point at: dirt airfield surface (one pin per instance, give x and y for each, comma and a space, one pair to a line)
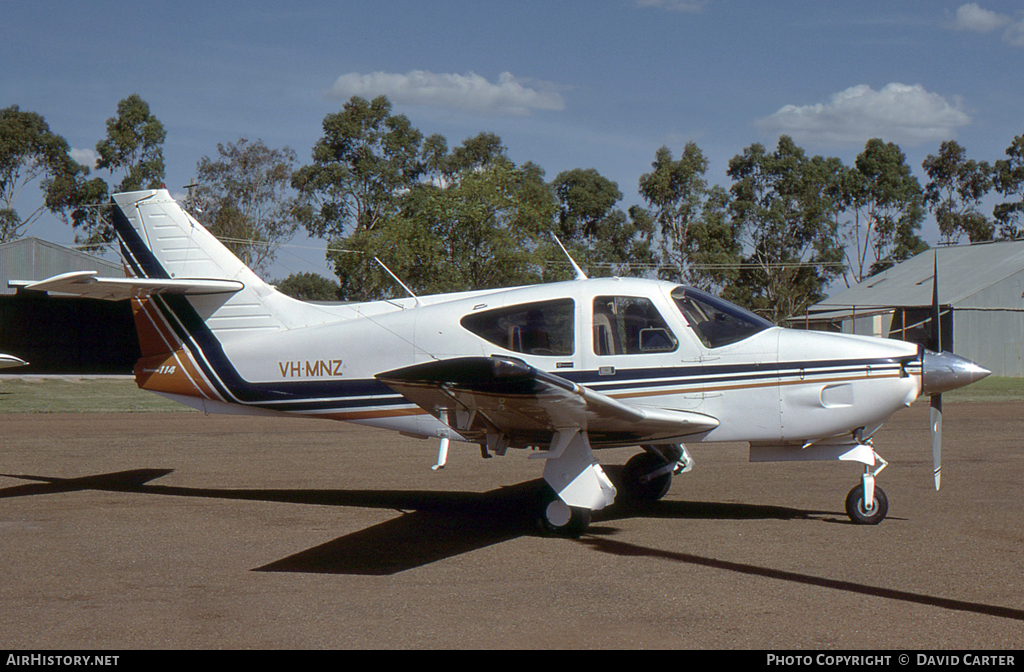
178, 530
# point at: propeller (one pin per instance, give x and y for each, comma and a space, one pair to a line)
942, 371
935, 345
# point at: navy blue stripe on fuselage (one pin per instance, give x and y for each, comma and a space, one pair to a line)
626, 379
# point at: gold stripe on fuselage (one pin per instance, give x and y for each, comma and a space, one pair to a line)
394, 413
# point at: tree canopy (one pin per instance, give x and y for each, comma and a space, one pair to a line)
244, 197
784, 209
133, 146
308, 287
448, 218
954, 191
699, 245
884, 202
31, 152
1009, 181
366, 159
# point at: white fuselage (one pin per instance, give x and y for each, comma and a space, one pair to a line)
778, 386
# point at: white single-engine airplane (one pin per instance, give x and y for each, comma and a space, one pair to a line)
564, 368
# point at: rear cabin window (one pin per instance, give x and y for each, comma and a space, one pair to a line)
629, 325
715, 321
542, 328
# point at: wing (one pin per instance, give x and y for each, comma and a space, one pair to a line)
86, 284
481, 396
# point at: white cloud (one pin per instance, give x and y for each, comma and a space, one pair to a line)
975, 18
972, 17
86, 157
510, 95
898, 113
1014, 34
675, 5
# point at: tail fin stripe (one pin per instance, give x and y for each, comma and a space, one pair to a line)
180, 319
209, 356
181, 355
142, 260
188, 335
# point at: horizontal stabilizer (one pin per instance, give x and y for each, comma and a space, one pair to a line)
87, 285
499, 395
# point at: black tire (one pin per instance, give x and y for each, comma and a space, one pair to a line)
860, 515
560, 519
634, 488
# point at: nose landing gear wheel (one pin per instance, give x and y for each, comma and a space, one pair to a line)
862, 515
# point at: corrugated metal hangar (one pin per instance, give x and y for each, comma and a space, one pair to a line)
62, 335
981, 287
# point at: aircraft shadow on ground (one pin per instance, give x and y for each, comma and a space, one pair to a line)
433, 525
438, 525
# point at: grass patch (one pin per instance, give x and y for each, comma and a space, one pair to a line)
79, 395
993, 388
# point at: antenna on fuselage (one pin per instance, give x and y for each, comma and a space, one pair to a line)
404, 286
580, 275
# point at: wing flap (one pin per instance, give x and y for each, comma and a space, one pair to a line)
498, 395
87, 285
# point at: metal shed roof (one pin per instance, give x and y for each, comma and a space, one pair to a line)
35, 259
964, 270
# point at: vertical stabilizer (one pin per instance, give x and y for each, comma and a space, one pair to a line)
184, 339
160, 240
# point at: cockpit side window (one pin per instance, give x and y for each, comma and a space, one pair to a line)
541, 328
630, 325
716, 322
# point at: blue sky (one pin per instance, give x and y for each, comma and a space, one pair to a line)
566, 84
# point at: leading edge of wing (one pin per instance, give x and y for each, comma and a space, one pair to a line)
508, 396
86, 284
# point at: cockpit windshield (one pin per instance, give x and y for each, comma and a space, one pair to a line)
716, 322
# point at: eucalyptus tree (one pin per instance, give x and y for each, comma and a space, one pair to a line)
601, 237
133, 149
1009, 181
465, 218
954, 192
483, 230
885, 203
244, 197
133, 146
786, 219
307, 286
31, 153
367, 159
489, 224
699, 245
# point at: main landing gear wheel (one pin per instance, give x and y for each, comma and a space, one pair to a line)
558, 518
862, 515
637, 483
